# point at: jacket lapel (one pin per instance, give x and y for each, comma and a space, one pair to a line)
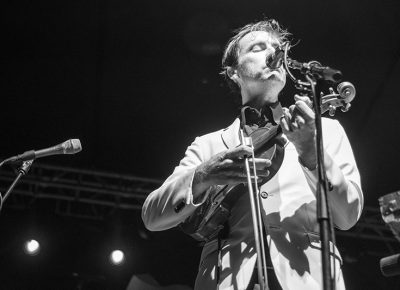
230, 135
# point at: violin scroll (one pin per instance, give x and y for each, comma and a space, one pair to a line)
346, 92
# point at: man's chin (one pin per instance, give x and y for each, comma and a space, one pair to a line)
275, 83
276, 75
276, 78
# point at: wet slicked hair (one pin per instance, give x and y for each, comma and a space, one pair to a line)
231, 52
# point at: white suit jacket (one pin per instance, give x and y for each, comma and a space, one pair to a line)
289, 212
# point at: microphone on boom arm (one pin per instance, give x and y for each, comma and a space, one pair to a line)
70, 146
315, 68
346, 91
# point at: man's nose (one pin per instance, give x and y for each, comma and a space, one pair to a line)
271, 49
269, 53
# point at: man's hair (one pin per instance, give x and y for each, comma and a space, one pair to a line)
231, 52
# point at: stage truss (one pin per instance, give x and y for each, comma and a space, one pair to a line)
78, 193
90, 194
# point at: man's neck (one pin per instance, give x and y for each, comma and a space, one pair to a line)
259, 101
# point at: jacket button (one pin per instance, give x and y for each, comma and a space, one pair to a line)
264, 194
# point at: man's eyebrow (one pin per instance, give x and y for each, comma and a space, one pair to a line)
253, 43
259, 40
262, 41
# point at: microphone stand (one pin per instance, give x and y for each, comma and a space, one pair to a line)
323, 210
26, 165
316, 76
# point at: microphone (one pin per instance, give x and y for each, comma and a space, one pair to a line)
70, 146
275, 61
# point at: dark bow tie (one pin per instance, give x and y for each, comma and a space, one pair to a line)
268, 114
251, 116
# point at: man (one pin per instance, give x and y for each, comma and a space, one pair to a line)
289, 203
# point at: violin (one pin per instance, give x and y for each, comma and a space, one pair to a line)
209, 218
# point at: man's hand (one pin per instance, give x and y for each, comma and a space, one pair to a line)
298, 124
227, 167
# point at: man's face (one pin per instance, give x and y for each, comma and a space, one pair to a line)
254, 50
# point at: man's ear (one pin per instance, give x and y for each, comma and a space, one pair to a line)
232, 74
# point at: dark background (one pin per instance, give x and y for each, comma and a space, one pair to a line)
136, 82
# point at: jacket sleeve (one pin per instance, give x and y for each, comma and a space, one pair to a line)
173, 202
344, 189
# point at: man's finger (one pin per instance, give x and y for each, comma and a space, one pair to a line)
226, 163
261, 163
286, 117
262, 173
299, 121
292, 109
294, 125
238, 152
284, 124
242, 175
305, 111
305, 99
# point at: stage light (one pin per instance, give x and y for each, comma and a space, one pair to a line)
117, 257
32, 247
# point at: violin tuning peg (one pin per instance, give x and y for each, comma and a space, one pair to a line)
332, 110
346, 108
